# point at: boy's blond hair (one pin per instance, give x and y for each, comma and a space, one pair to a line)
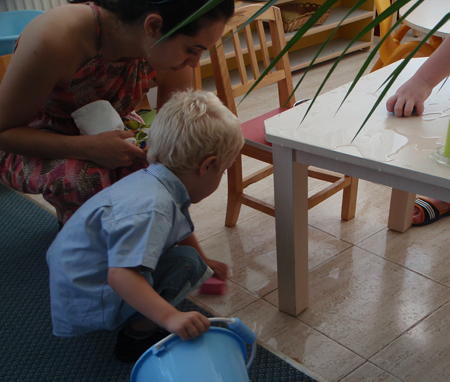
191, 126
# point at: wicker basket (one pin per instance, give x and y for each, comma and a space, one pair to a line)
295, 15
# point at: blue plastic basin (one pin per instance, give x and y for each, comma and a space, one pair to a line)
217, 355
11, 26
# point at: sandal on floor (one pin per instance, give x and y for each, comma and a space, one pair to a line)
430, 213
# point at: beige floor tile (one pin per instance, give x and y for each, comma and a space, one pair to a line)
364, 302
234, 299
272, 298
360, 303
370, 373
422, 249
323, 247
371, 213
421, 354
209, 214
299, 342
249, 250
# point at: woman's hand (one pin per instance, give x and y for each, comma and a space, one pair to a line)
111, 150
409, 98
187, 325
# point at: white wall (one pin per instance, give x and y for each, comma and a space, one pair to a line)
16, 5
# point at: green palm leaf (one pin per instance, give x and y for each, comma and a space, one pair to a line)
266, 6
393, 76
388, 12
309, 24
205, 8
365, 30
327, 5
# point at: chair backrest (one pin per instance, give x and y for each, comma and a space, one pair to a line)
389, 44
248, 45
4, 62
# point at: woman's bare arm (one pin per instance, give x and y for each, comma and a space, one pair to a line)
51, 49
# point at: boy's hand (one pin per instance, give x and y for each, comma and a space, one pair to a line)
187, 325
220, 269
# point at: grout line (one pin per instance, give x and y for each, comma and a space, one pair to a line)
224, 228
404, 267
407, 330
278, 353
293, 363
368, 237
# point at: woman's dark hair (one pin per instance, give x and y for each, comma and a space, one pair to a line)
172, 12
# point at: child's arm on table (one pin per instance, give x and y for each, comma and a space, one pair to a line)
139, 294
220, 269
413, 93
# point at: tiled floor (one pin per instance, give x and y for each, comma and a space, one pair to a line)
379, 300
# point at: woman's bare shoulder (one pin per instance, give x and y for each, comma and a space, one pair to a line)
66, 31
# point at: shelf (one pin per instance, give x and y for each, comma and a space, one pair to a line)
336, 15
301, 58
304, 50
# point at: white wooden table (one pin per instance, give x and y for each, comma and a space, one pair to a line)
427, 15
392, 151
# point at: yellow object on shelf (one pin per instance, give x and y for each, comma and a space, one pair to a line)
295, 15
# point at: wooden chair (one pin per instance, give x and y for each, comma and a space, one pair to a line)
4, 62
255, 143
393, 49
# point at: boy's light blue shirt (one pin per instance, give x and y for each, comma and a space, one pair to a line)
131, 223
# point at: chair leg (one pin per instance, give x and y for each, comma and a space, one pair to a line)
435, 41
235, 189
349, 200
378, 65
197, 78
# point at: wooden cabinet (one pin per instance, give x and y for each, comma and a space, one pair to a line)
305, 49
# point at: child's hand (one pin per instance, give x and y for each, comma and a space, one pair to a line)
409, 98
187, 325
220, 269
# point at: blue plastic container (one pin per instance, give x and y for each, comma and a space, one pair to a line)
11, 26
218, 355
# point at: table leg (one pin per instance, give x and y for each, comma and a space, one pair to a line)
401, 210
291, 223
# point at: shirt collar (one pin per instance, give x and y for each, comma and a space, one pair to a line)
172, 184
